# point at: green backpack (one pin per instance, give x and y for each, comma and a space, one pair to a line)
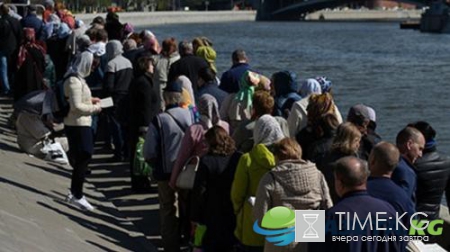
140, 167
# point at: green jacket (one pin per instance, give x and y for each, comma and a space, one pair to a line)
251, 167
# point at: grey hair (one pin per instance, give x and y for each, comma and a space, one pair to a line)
185, 47
172, 97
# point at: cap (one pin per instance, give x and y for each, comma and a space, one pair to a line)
98, 20
358, 114
174, 87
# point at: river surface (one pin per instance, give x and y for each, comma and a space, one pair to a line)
403, 74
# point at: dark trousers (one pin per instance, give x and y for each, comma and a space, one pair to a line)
118, 136
81, 147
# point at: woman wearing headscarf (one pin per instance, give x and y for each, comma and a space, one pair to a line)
169, 54
294, 183
30, 65
237, 107
297, 119
78, 126
193, 142
188, 97
212, 205
251, 168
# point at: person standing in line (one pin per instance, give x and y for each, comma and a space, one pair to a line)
77, 125
410, 143
118, 76
161, 147
293, 183
188, 65
11, 36
433, 174
230, 79
350, 176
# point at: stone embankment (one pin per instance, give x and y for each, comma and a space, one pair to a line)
143, 19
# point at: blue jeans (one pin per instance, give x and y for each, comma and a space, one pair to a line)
4, 72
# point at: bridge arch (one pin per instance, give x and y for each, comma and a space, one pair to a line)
292, 10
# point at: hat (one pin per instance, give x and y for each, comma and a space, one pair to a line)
98, 20
32, 7
358, 114
175, 86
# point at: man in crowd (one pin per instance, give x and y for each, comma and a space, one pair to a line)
161, 147
350, 184
188, 65
383, 159
230, 79
410, 143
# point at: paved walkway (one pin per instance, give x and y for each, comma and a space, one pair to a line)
34, 216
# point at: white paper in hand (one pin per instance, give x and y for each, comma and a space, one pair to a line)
106, 103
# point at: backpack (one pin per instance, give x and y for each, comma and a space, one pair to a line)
61, 99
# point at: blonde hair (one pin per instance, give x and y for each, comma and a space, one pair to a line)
347, 133
286, 149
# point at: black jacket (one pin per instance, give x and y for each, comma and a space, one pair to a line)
10, 34
433, 177
188, 66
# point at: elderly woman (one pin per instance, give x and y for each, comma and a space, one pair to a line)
193, 143
345, 143
78, 126
212, 205
293, 183
30, 64
251, 168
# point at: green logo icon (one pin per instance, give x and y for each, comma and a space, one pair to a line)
277, 225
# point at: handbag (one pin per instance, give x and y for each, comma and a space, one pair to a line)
186, 178
54, 152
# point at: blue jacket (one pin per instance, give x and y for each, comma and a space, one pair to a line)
230, 79
214, 90
32, 21
359, 203
406, 178
385, 189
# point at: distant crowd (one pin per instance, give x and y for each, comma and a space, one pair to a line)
255, 141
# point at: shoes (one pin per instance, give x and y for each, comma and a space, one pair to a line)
82, 203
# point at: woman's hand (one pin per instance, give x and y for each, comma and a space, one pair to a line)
95, 100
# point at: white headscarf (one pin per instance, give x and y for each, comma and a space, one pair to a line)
187, 84
267, 130
310, 86
82, 65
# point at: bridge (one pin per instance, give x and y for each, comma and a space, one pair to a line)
294, 10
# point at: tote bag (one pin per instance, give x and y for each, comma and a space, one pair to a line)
186, 178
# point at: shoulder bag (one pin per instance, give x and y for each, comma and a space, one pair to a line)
186, 178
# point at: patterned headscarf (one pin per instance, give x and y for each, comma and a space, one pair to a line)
325, 84
319, 104
29, 42
247, 84
209, 110
310, 86
267, 130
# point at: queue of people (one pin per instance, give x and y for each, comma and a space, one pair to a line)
276, 140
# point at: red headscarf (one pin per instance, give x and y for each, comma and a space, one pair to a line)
28, 42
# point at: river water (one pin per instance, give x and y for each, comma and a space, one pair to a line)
403, 74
